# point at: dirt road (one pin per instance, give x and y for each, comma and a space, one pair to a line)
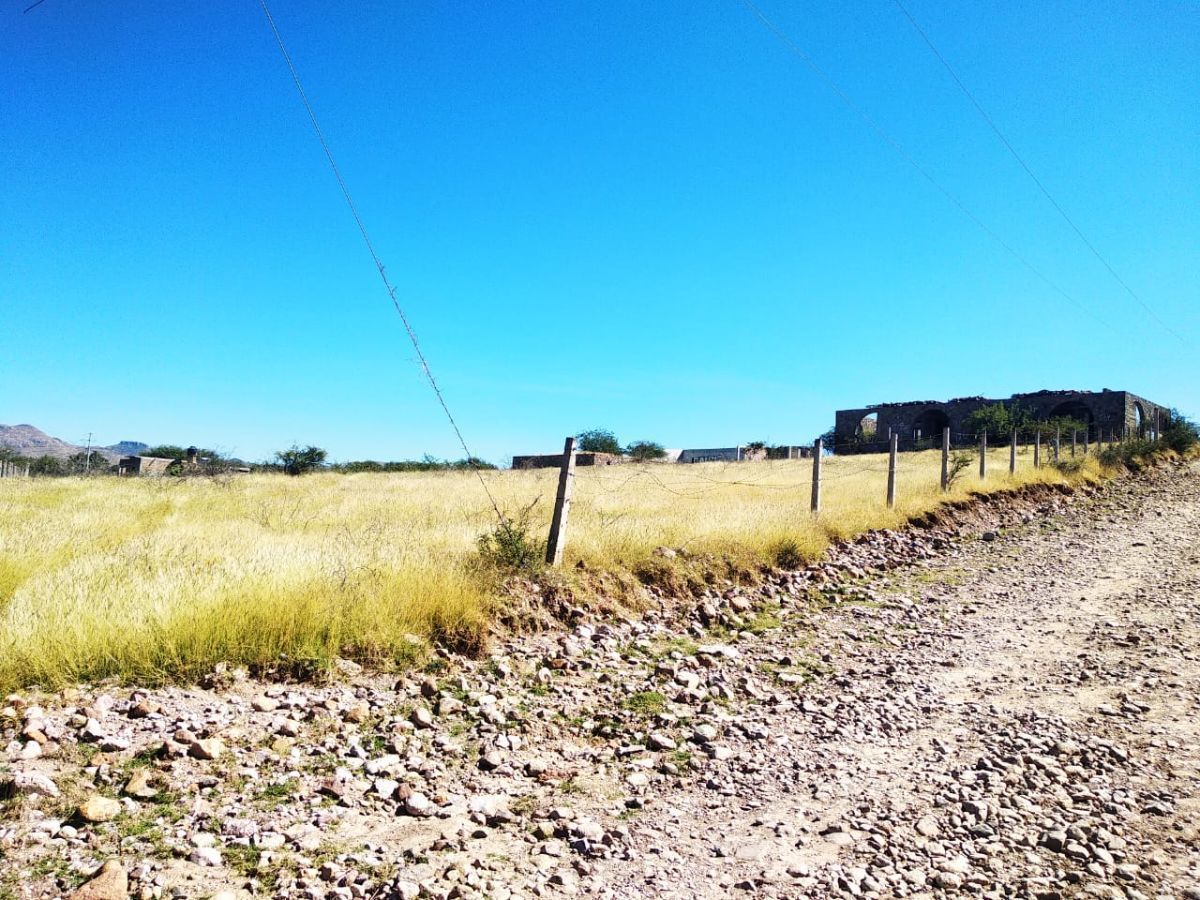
1017, 719
1015, 715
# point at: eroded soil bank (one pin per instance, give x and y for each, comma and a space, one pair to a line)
1003, 704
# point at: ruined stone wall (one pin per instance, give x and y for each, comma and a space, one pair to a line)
919, 424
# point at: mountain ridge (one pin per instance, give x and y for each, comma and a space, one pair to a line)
29, 440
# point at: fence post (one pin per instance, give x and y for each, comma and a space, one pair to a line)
1074, 440
816, 487
946, 459
1012, 454
1057, 441
983, 455
562, 506
891, 487
1037, 449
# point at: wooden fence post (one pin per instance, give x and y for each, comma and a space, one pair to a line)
1037, 449
1012, 454
1057, 441
816, 486
562, 506
983, 455
1074, 440
891, 484
946, 459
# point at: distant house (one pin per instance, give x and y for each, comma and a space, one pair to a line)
722, 454
150, 466
554, 460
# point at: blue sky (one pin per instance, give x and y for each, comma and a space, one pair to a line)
649, 217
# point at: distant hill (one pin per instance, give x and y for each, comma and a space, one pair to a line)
128, 448
30, 441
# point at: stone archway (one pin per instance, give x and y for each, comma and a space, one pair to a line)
927, 428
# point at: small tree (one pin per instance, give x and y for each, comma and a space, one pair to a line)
80, 464
959, 463
1181, 433
47, 465
597, 440
1000, 419
643, 451
297, 460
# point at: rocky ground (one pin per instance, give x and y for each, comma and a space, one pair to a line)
1004, 704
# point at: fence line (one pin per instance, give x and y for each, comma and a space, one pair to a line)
697, 486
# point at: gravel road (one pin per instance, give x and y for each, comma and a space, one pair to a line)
1005, 705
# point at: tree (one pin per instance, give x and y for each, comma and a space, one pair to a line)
1000, 419
297, 460
47, 465
597, 440
1181, 433
79, 464
643, 451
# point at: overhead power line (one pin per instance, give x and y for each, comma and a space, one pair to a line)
1028, 171
362, 229
898, 149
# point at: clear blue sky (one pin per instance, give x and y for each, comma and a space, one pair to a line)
649, 217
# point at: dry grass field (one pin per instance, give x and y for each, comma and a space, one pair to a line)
153, 579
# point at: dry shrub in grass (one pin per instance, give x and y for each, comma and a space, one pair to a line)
154, 579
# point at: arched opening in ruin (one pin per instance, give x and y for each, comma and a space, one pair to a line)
927, 428
1139, 417
1077, 411
867, 429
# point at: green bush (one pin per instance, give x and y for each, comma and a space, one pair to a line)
787, 555
643, 451
299, 460
1181, 433
1068, 466
598, 440
959, 463
512, 545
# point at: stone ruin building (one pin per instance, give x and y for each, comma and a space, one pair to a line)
919, 423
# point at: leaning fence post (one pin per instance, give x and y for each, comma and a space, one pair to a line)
1037, 449
891, 487
816, 487
562, 506
983, 455
946, 459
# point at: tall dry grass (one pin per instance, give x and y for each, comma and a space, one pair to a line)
152, 579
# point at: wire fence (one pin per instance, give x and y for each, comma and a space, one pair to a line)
901, 469
12, 469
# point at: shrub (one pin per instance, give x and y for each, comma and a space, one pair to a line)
1068, 466
645, 450
512, 545
959, 463
298, 460
47, 465
1181, 434
787, 555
